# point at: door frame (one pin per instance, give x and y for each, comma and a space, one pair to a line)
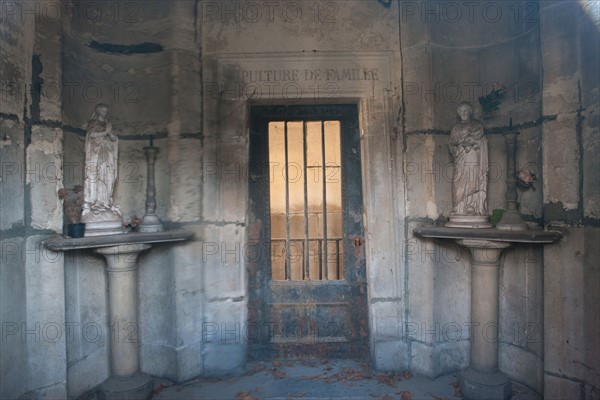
259, 269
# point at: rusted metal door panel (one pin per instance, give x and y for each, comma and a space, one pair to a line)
315, 317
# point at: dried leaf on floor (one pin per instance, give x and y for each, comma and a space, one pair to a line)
407, 374
405, 395
245, 396
386, 379
457, 392
277, 373
258, 368
159, 388
277, 364
314, 377
350, 374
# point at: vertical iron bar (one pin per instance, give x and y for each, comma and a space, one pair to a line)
320, 243
337, 255
306, 274
324, 197
288, 274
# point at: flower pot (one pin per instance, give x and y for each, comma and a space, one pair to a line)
76, 230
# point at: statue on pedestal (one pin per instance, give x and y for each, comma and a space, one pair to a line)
469, 149
100, 215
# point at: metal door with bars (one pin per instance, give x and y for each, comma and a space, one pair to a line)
307, 289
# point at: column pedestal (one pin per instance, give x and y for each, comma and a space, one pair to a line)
126, 380
482, 379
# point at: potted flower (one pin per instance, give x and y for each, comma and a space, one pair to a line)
72, 208
526, 178
132, 222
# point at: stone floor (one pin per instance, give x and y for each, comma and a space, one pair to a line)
323, 379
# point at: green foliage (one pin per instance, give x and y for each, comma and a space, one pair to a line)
496, 216
492, 100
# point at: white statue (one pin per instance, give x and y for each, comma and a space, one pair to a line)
469, 149
101, 154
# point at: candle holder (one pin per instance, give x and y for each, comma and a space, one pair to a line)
511, 218
150, 221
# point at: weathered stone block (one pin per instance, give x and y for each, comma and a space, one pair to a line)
190, 361
225, 322
45, 299
387, 321
13, 349
450, 357
418, 88
521, 298
571, 321
185, 163
452, 288
422, 358
423, 172
558, 34
160, 360
87, 372
224, 256
561, 162
522, 366
223, 358
390, 354
155, 291
439, 358
44, 177
12, 173
558, 388
187, 290
591, 162
86, 315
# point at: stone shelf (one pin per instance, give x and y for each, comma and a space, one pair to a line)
496, 235
483, 379
121, 252
90, 242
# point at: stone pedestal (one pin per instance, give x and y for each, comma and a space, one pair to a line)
126, 381
121, 253
483, 380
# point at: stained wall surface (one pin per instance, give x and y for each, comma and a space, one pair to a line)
185, 74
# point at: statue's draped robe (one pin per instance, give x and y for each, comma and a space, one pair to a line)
100, 167
469, 187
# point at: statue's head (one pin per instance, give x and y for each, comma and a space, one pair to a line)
464, 111
100, 111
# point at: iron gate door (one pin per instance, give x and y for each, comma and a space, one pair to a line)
307, 282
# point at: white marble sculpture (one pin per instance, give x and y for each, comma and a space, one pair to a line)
100, 215
469, 149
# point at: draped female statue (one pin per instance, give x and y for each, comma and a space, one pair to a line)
469, 148
101, 169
